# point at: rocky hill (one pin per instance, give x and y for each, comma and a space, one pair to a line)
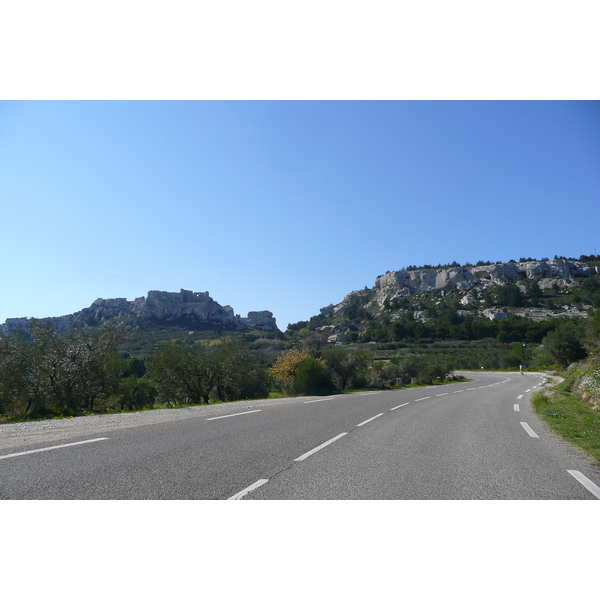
194, 309
536, 290
547, 273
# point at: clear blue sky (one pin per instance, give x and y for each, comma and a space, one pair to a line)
282, 205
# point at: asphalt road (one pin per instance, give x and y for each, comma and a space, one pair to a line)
473, 440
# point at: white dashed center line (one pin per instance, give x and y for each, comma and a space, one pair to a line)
369, 420
249, 489
419, 399
517, 409
401, 405
307, 454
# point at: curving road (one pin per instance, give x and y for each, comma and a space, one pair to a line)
473, 440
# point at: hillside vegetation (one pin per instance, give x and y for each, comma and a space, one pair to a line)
418, 338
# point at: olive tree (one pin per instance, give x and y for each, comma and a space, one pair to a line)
238, 374
64, 371
182, 373
344, 363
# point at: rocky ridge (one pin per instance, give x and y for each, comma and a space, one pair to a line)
195, 307
403, 283
471, 280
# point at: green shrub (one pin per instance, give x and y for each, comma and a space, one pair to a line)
312, 378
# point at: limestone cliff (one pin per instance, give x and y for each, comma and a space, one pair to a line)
471, 280
403, 283
197, 307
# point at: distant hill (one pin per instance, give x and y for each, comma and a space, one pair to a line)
195, 311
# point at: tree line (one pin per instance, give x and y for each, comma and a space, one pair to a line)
480, 263
82, 370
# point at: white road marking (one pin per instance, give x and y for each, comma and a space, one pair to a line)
52, 448
585, 482
445, 394
426, 398
234, 415
458, 392
469, 389
527, 391
368, 393
481, 386
517, 409
519, 397
530, 431
369, 420
307, 454
401, 405
249, 489
320, 400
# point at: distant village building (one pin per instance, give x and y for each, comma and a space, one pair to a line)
338, 337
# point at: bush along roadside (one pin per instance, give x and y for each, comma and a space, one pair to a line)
572, 412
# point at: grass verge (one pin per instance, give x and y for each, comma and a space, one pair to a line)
570, 418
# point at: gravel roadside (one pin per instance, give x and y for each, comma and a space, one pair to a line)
40, 432
33, 433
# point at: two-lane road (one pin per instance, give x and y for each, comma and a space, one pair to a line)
473, 440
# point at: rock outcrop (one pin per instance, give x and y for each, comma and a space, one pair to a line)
172, 305
403, 283
262, 319
196, 307
472, 280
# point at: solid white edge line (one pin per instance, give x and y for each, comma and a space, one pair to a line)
52, 448
307, 454
585, 482
401, 405
249, 489
517, 409
369, 420
530, 431
234, 415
